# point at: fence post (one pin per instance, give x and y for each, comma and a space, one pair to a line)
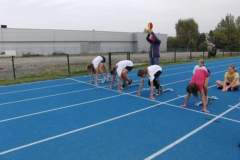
13, 68
128, 56
175, 55
190, 56
203, 54
109, 61
223, 53
68, 64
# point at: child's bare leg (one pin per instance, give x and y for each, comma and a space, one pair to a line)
234, 85
186, 99
219, 84
113, 80
103, 71
204, 101
206, 94
96, 78
120, 85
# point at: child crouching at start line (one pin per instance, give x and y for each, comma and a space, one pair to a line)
153, 73
97, 67
121, 69
198, 85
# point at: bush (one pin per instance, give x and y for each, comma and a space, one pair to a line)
59, 53
29, 54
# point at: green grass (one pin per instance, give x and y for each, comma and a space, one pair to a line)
41, 76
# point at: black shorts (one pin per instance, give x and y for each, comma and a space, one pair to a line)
104, 59
156, 75
129, 68
156, 83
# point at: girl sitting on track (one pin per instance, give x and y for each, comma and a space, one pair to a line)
231, 80
198, 84
121, 69
97, 67
153, 72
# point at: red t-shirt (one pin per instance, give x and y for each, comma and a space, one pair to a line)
199, 78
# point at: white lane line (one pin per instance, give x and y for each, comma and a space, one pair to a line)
63, 107
42, 97
87, 127
200, 112
75, 105
79, 81
33, 89
59, 108
190, 134
93, 125
108, 89
178, 97
83, 128
76, 130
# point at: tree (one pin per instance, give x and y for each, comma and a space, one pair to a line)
187, 33
238, 23
226, 34
201, 39
211, 37
172, 43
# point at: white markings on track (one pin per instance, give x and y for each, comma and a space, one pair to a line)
39, 88
42, 97
190, 134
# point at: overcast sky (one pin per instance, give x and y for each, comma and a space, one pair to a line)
114, 15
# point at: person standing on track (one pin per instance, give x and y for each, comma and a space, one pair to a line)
97, 67
154, 51
153, 72
121, 69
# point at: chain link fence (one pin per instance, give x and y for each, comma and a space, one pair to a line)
30, 68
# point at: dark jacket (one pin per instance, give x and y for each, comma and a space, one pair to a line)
154, 45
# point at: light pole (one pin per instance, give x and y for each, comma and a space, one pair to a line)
2, 38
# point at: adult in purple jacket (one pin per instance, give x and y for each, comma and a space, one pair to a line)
154, 53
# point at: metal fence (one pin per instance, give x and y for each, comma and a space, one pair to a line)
45, 67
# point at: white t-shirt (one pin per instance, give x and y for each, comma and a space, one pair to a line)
96, 61
152, 70
122, 65
198, 67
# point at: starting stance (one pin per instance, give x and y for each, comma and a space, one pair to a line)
198, 84
97, 67
153, 72
121, 70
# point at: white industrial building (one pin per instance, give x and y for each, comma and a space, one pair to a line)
49, 41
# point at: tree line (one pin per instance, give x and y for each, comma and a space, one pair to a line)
225, 36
